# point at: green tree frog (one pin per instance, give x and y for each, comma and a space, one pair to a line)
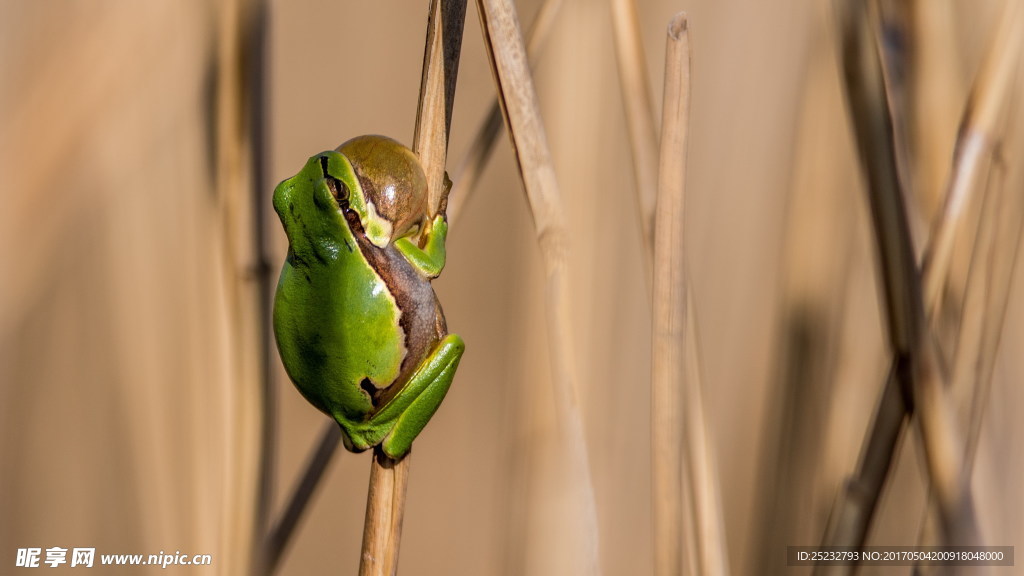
358, 326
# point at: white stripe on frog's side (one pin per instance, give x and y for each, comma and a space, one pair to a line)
377, 228
380, 287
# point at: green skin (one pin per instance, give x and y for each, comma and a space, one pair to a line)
358, 327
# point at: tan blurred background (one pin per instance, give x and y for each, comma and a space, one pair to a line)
129, 342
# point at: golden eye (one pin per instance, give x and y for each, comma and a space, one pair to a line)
338, 189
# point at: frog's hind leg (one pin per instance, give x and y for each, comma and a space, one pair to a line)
417, 402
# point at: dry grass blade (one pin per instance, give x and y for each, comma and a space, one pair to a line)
437, 93
640, 115
507, 54
683, 468
257, 86
874, 135
385, 502
988, 292
706, 501
895, 49
856, 505
934, 98
979, 138
978, 171
687, 515
245, 305
901, 285
668, 369
472, 164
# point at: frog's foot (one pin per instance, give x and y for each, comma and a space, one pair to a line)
398, 423
352, 437
413, 407
429, 260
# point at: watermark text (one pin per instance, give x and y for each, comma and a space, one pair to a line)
87, 558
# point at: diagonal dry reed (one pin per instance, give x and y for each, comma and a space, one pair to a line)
978, 171
282, 530
916, 380
472, 165
507, 54
979, 137
988, 292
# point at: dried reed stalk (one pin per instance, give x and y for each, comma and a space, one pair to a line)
681, 458
988, 290
980, 328
385, 502
689, 533
873, 130
479, 152
640, 114
916, 371
894, 54
385, 509
980, 135
507, 54
935, 94
668, 366
709, 542
977, 170
244, 304
437, 93
256, 69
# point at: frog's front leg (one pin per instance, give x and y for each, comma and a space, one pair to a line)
398, 423
429, 260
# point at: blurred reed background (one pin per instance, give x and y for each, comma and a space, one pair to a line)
131, 359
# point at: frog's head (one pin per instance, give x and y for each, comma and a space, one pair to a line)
375, 177
310, 203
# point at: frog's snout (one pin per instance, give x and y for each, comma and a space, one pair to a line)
282, 201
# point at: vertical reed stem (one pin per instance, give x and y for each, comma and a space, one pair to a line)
683, 468
668, 366
385, 503
385, 508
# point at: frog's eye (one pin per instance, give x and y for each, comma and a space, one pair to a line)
338, 189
